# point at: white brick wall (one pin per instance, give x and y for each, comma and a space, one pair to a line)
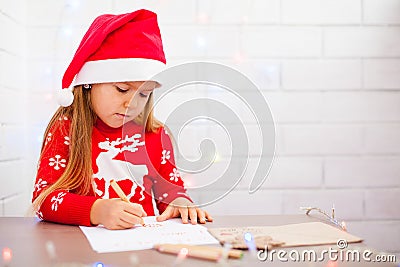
362, 172
13, 98
329, 69
281, 41
381, 74
312, 74
321, 12
381, 12
352, 41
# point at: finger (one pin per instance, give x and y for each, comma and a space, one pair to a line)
184, 214
125, 225
140, 209
134, 209
193, 215
208, 216
201, 215
176, 213
114, 227
168, 212
131, 219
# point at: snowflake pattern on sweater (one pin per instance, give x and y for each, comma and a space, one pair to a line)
125, 154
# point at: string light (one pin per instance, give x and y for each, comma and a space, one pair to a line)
201, 42
67, 31
98, 264
203, 18
217, 158
73, 4
48, 71
239, 58
7, 255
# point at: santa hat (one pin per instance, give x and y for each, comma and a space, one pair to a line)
116, 48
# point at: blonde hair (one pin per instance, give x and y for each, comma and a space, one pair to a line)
78, 173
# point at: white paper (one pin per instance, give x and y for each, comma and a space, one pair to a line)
172, 231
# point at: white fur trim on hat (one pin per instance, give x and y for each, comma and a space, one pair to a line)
118, 70
65, 97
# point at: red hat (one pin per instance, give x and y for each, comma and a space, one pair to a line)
116, 48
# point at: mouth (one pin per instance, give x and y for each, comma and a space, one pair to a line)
122, 115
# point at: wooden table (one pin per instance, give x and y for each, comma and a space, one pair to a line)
27, 238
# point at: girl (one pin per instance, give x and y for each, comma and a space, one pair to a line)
106, 131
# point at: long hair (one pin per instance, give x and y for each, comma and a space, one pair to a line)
77, 177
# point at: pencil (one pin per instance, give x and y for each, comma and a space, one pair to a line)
121, 194
200, 252
119, 191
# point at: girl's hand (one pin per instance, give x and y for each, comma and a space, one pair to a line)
116, 214
186, 209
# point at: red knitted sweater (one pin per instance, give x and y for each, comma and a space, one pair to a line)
141, 165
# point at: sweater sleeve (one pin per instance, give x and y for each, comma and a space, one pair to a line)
169, 184
59, 206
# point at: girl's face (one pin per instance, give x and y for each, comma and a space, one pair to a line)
119, 103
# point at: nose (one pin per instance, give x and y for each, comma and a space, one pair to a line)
130, 101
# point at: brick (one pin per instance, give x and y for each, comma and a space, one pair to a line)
381, 12
379, 203
285, 173
216, 175
200, 41
45, 75
238, 107
256, 12
12, 173
295, 106
13, 142
281, 41
13, 72
321, 139
381, 74
382, 138
65, 41
362, 172
348, 203
321, 12
362, 42
16, 206
243, 203
181, 97
189, 139
14, 9
167, 11
379, 235
10, 112
228, 140
265, 74
15, 42
361, 106
44, 105
69, 13
321, 74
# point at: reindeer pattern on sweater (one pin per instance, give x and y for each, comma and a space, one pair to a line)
141, 163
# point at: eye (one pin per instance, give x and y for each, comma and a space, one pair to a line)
121, 90
143, 95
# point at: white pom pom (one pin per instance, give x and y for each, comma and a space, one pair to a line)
65, 97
